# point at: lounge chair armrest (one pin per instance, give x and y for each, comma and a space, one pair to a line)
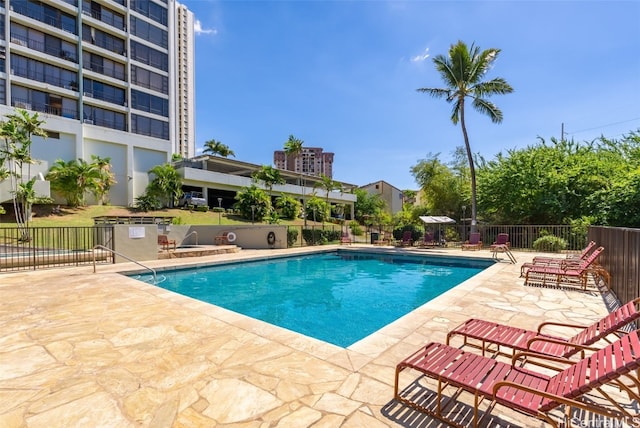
559, 324
549, 358
559, 342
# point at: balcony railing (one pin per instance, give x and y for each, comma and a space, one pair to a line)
41, 47
44, 77
39, 15
44, 108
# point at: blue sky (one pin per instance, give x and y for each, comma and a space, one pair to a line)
342, 75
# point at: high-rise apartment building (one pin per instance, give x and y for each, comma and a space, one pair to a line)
312, 161
185, 74
111, 78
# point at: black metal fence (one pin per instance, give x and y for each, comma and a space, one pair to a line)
621, 258
521, 237
44, 247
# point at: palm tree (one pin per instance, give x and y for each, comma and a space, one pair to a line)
328, 185
105, 178
462, 71
166, 186
73, 179
293, 146
270, 176
214, 147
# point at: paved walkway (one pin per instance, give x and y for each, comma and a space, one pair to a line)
84, 349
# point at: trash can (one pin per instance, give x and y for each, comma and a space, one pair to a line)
374, 237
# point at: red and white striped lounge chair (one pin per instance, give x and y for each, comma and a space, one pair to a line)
530, 392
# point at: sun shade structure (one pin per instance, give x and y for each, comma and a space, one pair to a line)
439, 220
442, 219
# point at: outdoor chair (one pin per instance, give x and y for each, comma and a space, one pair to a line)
530, 392
428, 240
501, 240
166, 243
407, 239
345, 239
502, 245
558, 261
474, 242
567, 273
491, 336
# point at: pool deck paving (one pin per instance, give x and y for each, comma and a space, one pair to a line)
85, 349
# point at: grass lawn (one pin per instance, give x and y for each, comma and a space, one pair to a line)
83, 216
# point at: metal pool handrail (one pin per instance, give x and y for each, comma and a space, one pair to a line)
155, 279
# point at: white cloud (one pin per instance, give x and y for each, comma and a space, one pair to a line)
422, 57
197, 28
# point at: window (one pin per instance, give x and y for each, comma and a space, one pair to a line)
149, 32
149, 103
149, 56
147, 126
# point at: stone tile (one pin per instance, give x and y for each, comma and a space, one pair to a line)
233, 400
106, 350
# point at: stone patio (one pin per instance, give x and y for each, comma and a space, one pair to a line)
85, 349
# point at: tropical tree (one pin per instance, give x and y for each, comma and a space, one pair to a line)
17, 132
441, 185
166, 184
214, 147
253, 203
73, 179
317, 209
367, 205
561, 181
289, 206
105, 178
328, 185
462, 72
409, 196
269, 175
63, 180
293, 147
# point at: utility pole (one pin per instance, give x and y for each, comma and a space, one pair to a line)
562, 132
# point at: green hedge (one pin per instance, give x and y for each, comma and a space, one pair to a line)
550, 243
320, 236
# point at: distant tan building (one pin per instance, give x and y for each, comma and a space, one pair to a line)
390, 194
312, 161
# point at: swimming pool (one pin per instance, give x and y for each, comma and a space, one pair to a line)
338, 297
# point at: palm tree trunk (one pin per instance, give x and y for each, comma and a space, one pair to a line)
472, 169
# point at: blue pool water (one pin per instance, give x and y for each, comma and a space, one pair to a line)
338, 297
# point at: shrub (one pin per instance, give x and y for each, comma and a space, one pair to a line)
273, 217
314, 236
292, 237
332, 235
549, 243
147, 202
416, 233
356, 229
289, 207
320, 236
